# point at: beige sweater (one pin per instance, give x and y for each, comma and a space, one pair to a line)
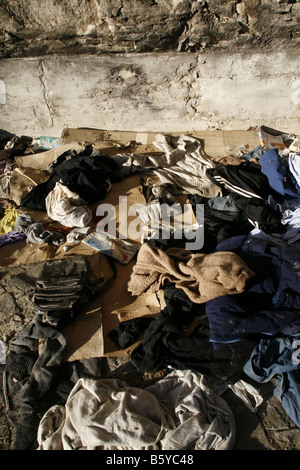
202, 277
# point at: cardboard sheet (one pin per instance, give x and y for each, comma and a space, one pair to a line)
216, 142
40, 161
144, 305
84, 336
23, 180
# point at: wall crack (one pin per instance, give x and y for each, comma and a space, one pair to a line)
46, 93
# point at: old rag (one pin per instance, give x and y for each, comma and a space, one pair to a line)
201, 276
181, 411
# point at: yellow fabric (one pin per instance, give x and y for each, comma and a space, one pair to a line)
8, 221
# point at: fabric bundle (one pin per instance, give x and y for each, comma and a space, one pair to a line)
186, 166
279, 174
8, 221
181, 411
88, 174
67, 207
251, 192
63, 286
269, 304
11, 237
277, 359
202, 277
35, 232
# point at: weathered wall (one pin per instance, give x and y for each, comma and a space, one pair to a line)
152, 92
149, 65
32, 28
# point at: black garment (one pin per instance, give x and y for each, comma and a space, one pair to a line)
18, 145
64, 285
67, 155
261, 214
127, 332
5, 137
167, 343
250, 190
29, 377
150, 356
85, 174
164, 244
219, 224
245, 179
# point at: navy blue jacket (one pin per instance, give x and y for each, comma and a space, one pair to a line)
271, 301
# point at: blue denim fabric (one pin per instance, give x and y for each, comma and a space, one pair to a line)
278, 173
277, 359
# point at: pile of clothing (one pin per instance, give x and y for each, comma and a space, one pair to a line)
256, 217
231, 305
88, 174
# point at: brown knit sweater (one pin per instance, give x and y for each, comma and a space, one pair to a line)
202, 277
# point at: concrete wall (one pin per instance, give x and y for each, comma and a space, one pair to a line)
149, 65
155, 92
